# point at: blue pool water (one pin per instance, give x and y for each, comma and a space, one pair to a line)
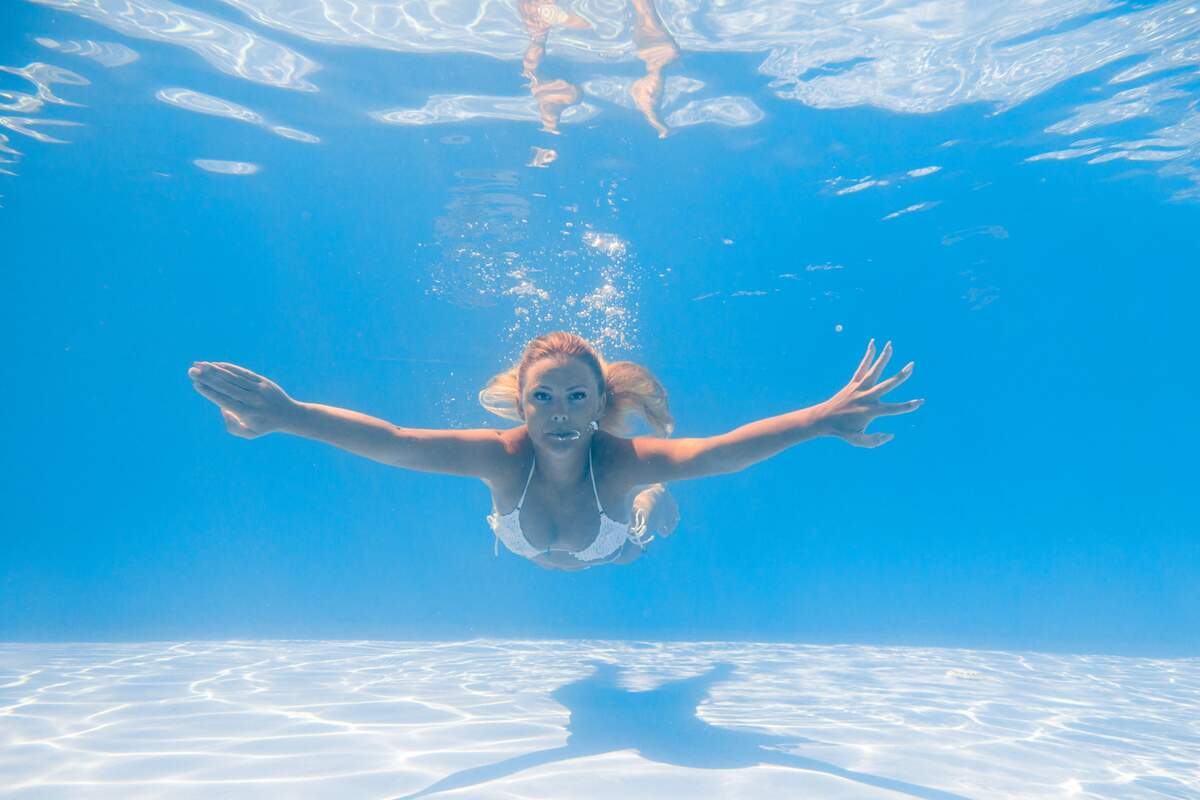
367, 202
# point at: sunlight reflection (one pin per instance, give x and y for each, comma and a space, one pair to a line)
902, 56
109, 54
440, 109
226, 167
230, 48
729, 111
26, 126
215, 106
42, 76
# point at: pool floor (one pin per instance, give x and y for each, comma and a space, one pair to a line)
590, 719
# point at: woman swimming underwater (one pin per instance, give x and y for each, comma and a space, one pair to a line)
564, 476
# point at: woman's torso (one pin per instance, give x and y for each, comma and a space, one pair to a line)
561, 519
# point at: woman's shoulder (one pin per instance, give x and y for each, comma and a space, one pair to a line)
615, 445
614, 452
515, 441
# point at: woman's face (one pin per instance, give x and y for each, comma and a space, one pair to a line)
560, 399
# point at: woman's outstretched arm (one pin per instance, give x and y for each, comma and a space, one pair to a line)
845, 415
253, 406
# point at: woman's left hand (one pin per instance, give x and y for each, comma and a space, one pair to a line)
655, 513
847, 414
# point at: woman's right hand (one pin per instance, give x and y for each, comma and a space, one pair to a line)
250, 404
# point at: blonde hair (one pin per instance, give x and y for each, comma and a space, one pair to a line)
631, 389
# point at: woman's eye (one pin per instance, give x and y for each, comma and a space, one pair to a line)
578, 395
541, 396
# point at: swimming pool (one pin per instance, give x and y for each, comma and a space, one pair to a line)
377, 204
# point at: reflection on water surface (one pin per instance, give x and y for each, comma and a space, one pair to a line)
911, 57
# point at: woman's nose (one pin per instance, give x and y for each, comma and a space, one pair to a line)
558, 417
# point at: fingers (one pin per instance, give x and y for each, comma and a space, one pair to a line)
224, 381
234, 425
862, 367
876, 370
220, 398
241, 372
891, 409
229, 383
639, 526
891, 383
869, 439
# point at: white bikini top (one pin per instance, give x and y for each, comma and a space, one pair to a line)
608, 542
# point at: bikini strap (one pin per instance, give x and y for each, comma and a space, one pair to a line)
527, 480
592, 473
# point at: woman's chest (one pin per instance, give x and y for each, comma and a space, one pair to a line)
561, 519
560, 522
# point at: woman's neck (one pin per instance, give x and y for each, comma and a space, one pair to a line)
563, 468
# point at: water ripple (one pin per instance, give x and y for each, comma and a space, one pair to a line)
207, 104
484, 27
616, 89
42, 76
911, 55
230, 48
730, 111
443, 108
293, 134
215, 106
924, 57
912, 209
6, 151
908, 56
904, 55
226, 167
109, 54
1178, 142
27, 126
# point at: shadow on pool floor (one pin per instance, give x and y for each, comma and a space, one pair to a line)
662, 726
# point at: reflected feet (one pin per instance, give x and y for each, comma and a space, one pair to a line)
551, 96
656, 49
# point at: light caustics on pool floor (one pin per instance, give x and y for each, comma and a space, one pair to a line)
546, 719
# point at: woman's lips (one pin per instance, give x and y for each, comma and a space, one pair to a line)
564, 436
